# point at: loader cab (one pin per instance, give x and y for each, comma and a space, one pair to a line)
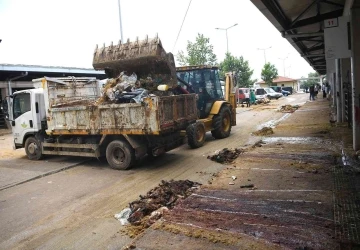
204, 81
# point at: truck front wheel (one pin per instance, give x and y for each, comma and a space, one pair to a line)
222, 123
33, 149
196, 134
120, 155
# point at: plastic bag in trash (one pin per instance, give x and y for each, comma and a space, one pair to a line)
110, 94
123, 216
132, 79
139, 98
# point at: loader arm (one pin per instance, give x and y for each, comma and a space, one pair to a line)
141, 56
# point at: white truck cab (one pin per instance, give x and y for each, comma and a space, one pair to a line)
26, 114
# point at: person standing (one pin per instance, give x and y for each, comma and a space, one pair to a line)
312, 93
324, 91
247, 97
252, 96
327, 89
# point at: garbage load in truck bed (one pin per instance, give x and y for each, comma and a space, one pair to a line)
73, 108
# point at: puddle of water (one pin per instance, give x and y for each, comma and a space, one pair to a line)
273, 123
292, 140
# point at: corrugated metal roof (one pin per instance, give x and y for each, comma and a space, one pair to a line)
49, 69
302, 24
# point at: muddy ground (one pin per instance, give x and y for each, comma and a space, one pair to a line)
283, 197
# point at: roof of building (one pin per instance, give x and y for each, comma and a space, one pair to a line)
281, 79
29, 72
53, 69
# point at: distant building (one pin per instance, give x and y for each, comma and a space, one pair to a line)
281, 81
14, 77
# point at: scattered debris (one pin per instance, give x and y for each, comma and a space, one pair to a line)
288, 108
233, 177
248, 186
263, 101
231, 183
226, 155
123, 216
264, 131
130, 89
258, 144
157, 201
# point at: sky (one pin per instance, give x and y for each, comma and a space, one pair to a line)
65, 32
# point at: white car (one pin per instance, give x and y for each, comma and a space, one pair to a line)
261, 93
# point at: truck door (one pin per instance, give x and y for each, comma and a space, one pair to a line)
22, 117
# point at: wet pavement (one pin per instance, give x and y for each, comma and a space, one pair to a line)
291, 191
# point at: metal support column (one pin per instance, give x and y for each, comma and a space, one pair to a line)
355, 72
339, 92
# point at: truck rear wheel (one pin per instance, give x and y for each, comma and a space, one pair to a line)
196, 134
120, 155
33, 148
222, 123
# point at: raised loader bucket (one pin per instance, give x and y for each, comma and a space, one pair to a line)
143, 57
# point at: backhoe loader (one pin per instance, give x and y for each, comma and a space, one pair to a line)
216, 110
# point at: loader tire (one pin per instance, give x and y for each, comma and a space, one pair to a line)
33, 149
222, 123
196, 134
120, 155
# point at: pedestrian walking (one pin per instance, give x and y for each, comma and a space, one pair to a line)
312, 93
324, 91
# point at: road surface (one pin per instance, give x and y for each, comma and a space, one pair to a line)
69, 203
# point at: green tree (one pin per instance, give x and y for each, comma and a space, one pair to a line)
307, 83
198, 53
269, 73
241, 68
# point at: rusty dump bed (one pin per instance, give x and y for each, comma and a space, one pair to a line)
141, 56
72, 108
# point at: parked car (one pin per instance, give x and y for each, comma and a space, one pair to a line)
290, 89
276, 88
267, 92
285, 93
260, 93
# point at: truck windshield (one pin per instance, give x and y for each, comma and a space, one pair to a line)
203, 80
21, 104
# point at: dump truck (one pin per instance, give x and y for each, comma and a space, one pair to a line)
64, 116
216, 109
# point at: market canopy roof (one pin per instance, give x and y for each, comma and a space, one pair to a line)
302, 24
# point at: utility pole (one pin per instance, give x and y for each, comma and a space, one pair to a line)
227, 41
265, 52
283, 59
121, 30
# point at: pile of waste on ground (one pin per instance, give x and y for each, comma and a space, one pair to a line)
151, 207
264, 131
226, 156
129, 89
288, 108
263, 101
